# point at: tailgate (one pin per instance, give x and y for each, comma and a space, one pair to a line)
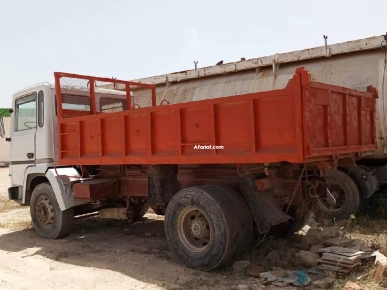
337, 120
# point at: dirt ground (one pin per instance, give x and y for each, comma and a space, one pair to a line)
105, 254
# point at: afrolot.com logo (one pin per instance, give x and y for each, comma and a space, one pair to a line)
208, 147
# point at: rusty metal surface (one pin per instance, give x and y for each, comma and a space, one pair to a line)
133, 180
95, 189
264, 206
286, 191
263, 184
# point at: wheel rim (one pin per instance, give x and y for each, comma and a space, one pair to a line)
194, 229
338, 193
45, 211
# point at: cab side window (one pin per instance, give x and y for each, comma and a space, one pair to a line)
25, 108
40, 109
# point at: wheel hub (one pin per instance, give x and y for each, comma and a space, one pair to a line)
199, 228
194, 230
45, 211
335, 199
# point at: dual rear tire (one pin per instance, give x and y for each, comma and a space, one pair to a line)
206, 226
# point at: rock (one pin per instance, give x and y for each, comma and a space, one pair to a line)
241, 266
352, 286
381, 266
308, 259
279, 272
316, 236
325, 283
315, 248
311, 237
329, 232
255, 271
274, 256
243, 287
316, 271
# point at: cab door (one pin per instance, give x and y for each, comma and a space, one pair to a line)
23, 136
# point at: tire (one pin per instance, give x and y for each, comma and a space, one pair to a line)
140, 211
210, 214
246, 223
300, 217
50, 226
347, 194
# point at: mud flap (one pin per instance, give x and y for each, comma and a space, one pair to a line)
162, 186
263, 206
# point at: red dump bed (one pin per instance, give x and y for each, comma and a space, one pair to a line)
305, 122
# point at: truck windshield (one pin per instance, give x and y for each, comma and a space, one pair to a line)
105, 104
109, 105
75, 103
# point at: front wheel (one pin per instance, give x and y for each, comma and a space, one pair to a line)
47, 218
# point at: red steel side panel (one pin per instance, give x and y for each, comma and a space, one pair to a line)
338, 120
302, 121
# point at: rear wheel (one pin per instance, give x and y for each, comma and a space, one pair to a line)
47, 218
299, 218
202, 226
246, 223
345, 198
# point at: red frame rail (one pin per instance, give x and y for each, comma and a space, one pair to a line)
304, 122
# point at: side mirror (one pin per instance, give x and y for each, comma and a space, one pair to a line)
2, 130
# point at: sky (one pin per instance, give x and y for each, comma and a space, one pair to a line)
134, 39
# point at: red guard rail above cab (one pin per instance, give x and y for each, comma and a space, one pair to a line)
304, 122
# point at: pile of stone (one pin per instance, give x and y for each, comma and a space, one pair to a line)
331, 252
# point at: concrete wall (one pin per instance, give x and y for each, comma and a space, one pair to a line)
5, 146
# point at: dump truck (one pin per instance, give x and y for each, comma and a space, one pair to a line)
352, 64
214, 150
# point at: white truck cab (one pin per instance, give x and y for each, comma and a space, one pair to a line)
34, 154
33, 159
33, 139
